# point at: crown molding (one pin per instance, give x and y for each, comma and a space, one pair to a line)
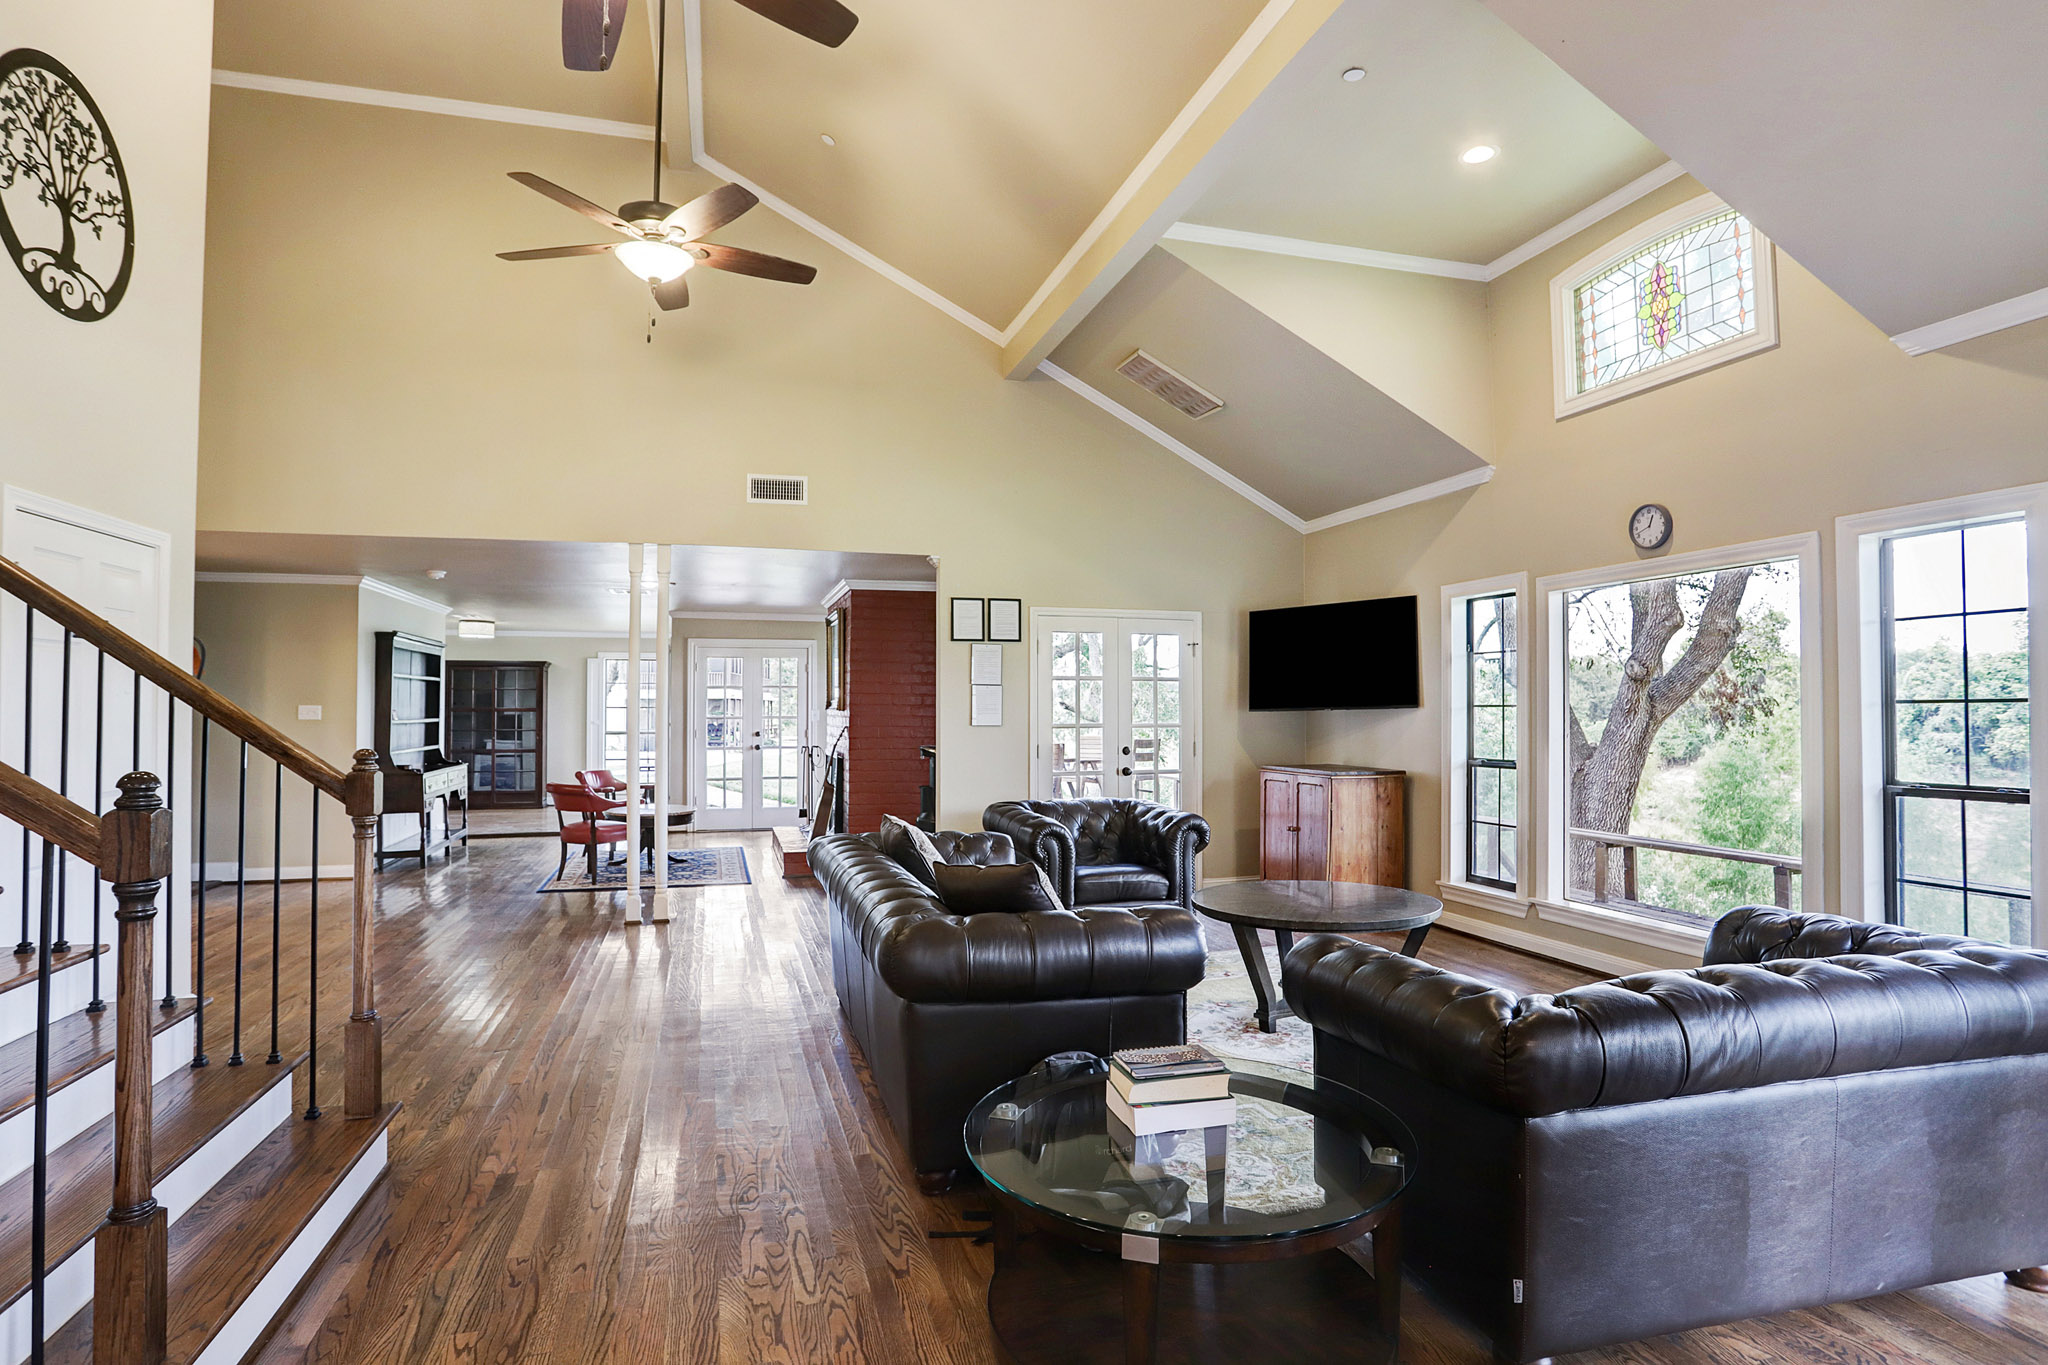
620, 634
327, 580
806, 617
1604, 207
1456, 483
433, 104
847, 585
1993, 317
398, 594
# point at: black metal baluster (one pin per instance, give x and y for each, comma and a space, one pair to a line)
241, 894
63, 940
313, 973
199, 1058
98, 1004
39, 1215
170, 1000
28, 744
276, 906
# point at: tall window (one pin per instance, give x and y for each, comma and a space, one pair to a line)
1682, 744
1688, 290
1490, 734
1958, 779
611, 695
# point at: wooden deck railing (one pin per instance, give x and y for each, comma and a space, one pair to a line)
1784, 867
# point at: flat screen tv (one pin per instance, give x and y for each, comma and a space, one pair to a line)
1339, 656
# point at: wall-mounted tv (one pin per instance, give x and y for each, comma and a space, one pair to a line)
1339, 656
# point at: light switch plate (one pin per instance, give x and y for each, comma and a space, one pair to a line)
309, 713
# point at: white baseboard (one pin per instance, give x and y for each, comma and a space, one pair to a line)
337, 872
1541, 946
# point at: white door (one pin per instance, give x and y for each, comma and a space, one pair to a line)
751, 708
1116, 707
77, 729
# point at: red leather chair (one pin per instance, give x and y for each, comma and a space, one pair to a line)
573, 798
600, 782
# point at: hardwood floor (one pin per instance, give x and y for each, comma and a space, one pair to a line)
654, 1145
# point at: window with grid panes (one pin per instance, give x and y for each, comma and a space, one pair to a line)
1490, 730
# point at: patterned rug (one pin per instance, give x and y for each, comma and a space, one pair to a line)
1220, 1017
724, 865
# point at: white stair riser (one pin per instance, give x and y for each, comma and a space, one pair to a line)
282, 1280
70, 991
84, 1102
69, 1284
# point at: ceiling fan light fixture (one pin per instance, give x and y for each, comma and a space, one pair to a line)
653, 260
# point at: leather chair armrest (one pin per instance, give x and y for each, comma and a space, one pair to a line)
1041, 838
1167, 839
1761, 933
930, 955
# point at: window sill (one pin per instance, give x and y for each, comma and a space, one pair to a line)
1652, 933
1484, 898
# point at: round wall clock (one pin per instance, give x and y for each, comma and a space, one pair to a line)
64, 212
1649, 526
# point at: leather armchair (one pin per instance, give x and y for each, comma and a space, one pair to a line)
1674, 1149
1107, 852
946, 1007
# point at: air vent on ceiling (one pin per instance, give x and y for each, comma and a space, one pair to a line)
778, 488
1183, 393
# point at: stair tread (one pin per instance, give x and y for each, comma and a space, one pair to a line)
19, 969
79, 1043
227, 1242
190, 1107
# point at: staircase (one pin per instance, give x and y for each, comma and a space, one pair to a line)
158, 1204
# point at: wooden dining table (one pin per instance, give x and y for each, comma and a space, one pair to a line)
679, 817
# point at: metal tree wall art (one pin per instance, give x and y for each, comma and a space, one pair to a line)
64, 211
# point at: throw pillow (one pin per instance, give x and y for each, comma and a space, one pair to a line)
1013, 888
912, 847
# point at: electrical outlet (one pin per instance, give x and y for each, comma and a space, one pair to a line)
309, 713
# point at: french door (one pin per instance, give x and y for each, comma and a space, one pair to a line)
1116, 707
751, 722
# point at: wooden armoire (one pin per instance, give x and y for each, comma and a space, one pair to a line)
1329, 822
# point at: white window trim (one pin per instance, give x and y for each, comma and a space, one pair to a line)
1455, 884
1553, 812
1861, 736
1563, 325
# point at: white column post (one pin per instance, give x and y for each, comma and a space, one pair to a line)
664, 629
635, 563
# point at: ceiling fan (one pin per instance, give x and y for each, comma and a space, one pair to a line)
662, 241
591, 28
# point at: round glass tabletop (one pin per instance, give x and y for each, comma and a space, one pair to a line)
1300, 1156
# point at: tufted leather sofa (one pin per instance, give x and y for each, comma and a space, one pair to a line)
946, 1007
1107, 852
1825, 1110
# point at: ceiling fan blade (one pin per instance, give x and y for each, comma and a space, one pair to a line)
588, 42
822, 21
707, 213
549, 253
741, 261
673, 294
574, 201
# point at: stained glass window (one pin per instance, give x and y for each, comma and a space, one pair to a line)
1682, 293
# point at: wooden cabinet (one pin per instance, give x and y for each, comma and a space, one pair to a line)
1326, 822
498, 726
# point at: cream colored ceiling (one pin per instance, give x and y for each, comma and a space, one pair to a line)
1375, 164
483, 50
560, 585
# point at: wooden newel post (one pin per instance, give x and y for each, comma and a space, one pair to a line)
131, 1280
364, 1081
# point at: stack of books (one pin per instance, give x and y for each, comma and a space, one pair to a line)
1167, 1090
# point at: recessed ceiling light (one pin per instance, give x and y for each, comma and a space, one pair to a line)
828, 139
1473, 156
1354, 74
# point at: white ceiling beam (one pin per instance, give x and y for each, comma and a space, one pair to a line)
1993, 317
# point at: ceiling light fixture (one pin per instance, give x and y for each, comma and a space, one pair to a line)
437, 574
476, 628
1474, 156
828, 139
1353, 75
656, 261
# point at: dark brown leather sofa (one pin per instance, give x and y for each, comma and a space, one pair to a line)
1107, 852
947, 1007
1826, 1110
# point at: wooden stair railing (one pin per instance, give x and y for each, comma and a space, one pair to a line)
130, 846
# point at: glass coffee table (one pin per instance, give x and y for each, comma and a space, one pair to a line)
1210, 1245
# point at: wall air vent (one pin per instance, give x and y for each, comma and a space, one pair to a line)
1183, 393
778, 488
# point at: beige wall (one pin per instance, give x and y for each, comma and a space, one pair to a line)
376, 371
1835, 420
1420, 339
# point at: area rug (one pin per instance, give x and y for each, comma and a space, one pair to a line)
1220, 1017
724, 865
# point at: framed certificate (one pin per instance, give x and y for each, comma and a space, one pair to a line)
1006, 619
970, 618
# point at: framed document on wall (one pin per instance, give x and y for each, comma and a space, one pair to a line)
1006, 620
970, 618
